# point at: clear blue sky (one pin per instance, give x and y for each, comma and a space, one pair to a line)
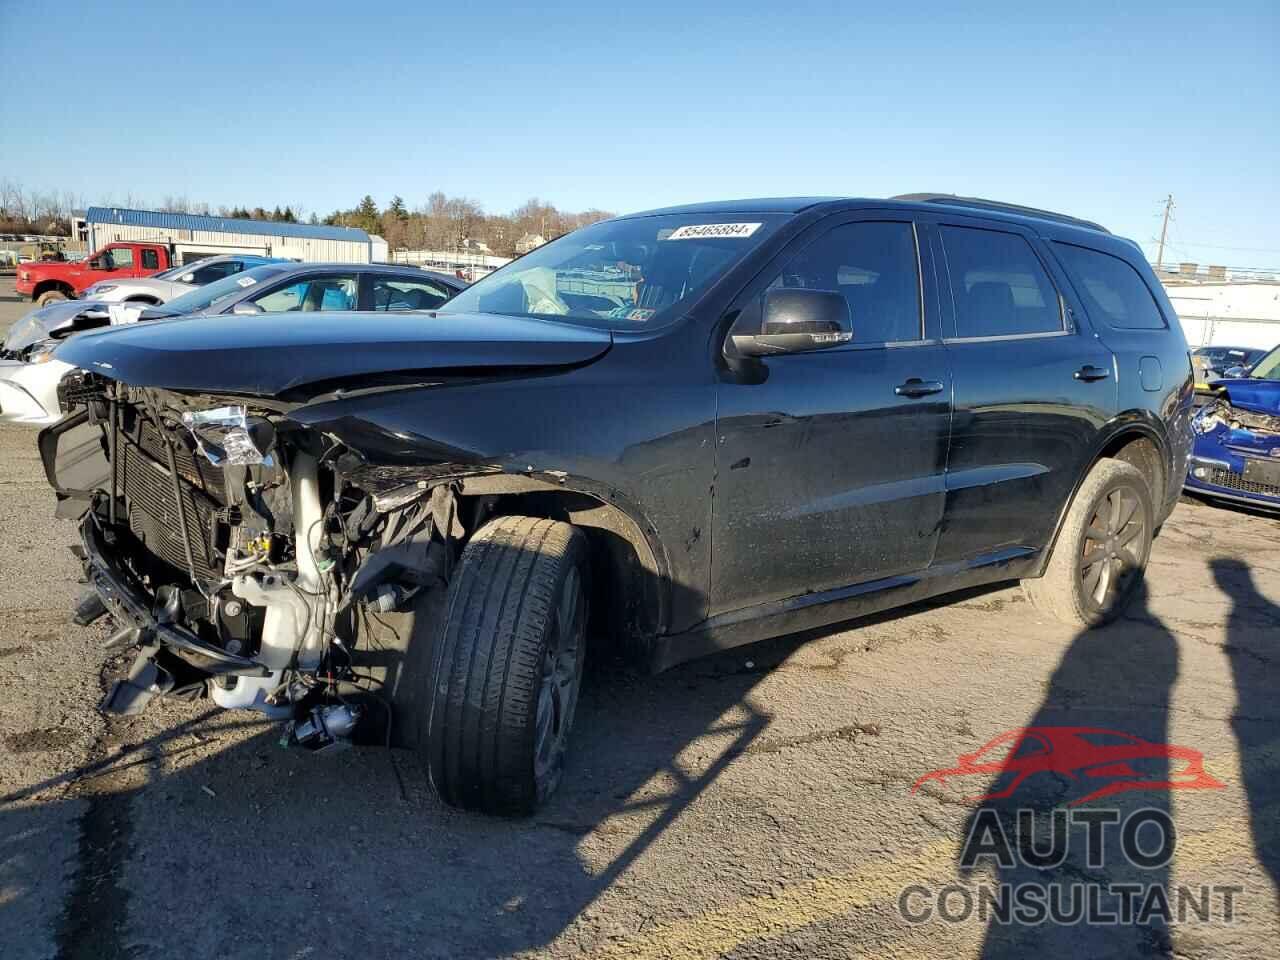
1097, 110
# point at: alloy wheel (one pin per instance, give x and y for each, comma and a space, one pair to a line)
1114, 546
561, 676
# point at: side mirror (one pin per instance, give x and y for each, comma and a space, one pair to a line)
1235, 373
797, 321
246, 309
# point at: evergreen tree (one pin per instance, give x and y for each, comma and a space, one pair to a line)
366, 214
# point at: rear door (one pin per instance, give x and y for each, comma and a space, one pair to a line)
391, 292
1032, 387
830, 464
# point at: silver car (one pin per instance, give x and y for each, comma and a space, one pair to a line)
29, 374
174, 282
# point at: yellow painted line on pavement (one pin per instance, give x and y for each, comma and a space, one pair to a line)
716, 932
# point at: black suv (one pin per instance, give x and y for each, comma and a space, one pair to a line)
673, 432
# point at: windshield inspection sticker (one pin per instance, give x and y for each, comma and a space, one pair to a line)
700, 231
246, 281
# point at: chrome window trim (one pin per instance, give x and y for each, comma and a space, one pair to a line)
1011, 336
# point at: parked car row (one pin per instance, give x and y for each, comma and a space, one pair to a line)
1219, 362
30, 373
860, 403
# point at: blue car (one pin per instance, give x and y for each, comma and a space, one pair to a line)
1236, 455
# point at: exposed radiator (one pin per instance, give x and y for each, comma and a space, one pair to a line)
144, 480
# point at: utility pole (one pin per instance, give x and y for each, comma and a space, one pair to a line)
1164, 229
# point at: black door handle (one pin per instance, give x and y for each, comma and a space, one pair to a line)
915, 387
1089, 373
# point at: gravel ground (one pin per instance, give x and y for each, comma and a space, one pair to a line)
756, 804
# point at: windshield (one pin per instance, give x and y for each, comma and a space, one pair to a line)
621, 274
1268, 368
206, 296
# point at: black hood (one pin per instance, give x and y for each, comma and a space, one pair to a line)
272, 354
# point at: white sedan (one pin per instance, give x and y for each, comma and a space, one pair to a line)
174, 282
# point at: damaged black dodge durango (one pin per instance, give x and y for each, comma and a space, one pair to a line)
673, 432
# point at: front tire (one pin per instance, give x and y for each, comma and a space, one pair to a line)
50, 296
508, 666
1101, 553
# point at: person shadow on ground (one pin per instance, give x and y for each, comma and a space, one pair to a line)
1253, 649
1114, 678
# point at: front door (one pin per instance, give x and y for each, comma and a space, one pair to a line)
831, 464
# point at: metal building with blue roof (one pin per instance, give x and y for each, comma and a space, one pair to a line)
190, 235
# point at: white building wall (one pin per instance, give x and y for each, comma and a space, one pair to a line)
296, 248
1228, 314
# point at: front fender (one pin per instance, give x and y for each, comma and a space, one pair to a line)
644, 450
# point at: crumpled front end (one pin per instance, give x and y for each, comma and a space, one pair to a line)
237, 553
1236, 453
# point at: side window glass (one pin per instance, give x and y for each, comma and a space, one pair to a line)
874, 266
391, 293
1111, 289
314, 293
216, 271
999, 286
121, 257
150, 260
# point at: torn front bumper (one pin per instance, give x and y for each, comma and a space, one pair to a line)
169, 653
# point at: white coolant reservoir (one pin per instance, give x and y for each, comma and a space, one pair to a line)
296, 608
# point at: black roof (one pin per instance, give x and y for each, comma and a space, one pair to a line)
760, 205
999, 206
407, 269
794, 205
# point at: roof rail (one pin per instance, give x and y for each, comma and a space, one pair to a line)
979, 203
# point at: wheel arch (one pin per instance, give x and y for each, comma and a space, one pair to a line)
1138, 438
633, 595
53, 283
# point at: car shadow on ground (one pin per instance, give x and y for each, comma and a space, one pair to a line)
350, 853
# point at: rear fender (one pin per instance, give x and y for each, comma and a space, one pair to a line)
1133, 424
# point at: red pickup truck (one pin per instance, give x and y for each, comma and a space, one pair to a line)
46, 282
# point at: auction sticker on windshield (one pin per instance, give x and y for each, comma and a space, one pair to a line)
701, 231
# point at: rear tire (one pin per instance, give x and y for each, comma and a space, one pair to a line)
508, 666
50, 296
1101, 553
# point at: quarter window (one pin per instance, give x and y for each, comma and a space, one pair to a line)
998, 285
394, 293
215, 271
1111, 289
873, 265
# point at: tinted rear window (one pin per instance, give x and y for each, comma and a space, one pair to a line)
1111, 289
999, 286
